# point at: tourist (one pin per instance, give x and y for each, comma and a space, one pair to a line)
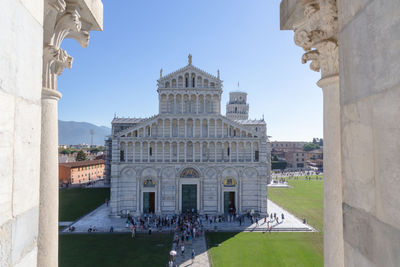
182, 250
193, 255
149, 230
111, 229
283, 217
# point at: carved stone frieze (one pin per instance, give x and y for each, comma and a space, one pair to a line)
316, 33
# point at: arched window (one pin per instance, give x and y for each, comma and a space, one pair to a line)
186, 82
235, 109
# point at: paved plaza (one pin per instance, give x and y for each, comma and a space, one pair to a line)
201, 259
100, 219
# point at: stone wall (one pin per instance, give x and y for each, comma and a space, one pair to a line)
21, 38
369, 66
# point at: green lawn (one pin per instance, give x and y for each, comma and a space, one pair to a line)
76, 202
305, 200
264, 249
121, 250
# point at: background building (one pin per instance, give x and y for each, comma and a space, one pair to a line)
295, 156
81, 172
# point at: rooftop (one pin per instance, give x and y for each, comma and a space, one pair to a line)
82, 163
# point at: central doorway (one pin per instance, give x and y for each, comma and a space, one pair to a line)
189, 198
149, 202
229, 202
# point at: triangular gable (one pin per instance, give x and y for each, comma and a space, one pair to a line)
189, 68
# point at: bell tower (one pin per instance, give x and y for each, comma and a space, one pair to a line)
237, 107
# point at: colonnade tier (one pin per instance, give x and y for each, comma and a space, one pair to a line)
188, 103
190, 80
189, 151
191, 127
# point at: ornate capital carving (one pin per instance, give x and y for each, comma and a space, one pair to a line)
62, 20
316, 33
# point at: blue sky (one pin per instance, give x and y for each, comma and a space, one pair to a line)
117, 73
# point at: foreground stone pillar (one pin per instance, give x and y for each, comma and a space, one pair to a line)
62, 19
48, 224
315, 23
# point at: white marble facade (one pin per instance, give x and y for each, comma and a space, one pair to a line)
188, 143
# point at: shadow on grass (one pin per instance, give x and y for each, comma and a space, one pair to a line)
81, 250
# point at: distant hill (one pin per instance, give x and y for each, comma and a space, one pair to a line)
72, 133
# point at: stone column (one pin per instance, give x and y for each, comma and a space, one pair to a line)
230, 152
197, 104
170, 151
48, 209
185, 128
133, 151
333, 220
201, 152
237, 152
315, 23
141, 151
251, 152
163, 151
61, 20
208, 127
185, 150
155, 151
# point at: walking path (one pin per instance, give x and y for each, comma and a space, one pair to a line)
201, 259
102, 221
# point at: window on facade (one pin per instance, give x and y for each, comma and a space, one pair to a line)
256, 155
228, 151
193, 83
148, 131
151, 151
122, 155
186, 82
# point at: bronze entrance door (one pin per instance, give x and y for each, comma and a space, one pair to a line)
229, 202
189, 198
148, 202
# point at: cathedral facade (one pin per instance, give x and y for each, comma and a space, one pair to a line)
189, 157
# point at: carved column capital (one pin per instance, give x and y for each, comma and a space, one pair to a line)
316, 33
62, 20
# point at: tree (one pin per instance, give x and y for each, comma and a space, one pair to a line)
310, 146
66, 151
278, 165
275, 158
81, 156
